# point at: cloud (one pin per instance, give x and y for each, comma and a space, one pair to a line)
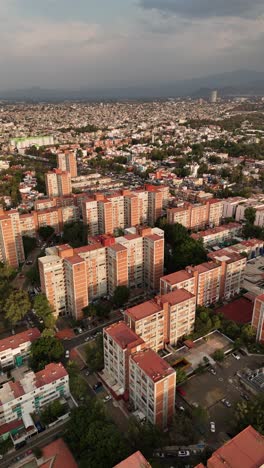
206, 8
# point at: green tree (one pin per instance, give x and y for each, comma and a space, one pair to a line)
45, 232
52, 412
75, 234
121, 296
29, 244
17, 306
44, 311
95, 354
219, 355
181, 376
144, 437
250, 413
45, 350
250, 215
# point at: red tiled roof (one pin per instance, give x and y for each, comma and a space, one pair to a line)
239, 310
123, 335
5, 428
177, 277
137, 460
176, 297
153, 365
50, 373
59, 455
143, 310
246, 450
14, 341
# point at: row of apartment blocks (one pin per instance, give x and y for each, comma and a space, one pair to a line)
71, 278
130, 347
219, 278
235, 207
197, 216
131, 363
102, 215
19, 399
218, 234
58, 181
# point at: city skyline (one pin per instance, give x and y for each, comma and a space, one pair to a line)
125, 43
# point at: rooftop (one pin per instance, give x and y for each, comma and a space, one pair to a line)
177, 277
248, 446
57, 454
15, 341
136, 460
123, 335
152, 364
143, 310
176, 297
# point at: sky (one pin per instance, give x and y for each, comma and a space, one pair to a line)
112, 43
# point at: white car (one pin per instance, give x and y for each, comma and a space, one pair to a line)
107, 398
67, 354
183, 453
236, 356
212, 426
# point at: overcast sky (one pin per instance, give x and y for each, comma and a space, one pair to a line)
105, 43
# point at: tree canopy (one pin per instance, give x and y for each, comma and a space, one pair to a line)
45, 350
29, 244
250, 413
75, 234
44, 311
95, 354
94, 439
121, 295
17, 306
46, 232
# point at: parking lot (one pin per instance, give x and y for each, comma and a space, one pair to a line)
207, 390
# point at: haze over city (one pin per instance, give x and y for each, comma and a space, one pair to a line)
118, 43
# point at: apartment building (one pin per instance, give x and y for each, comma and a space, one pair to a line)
50, 217
178, 280
164, 319
233, 268
131, 260
58, 183
207, 286
29, 224
95, 257
179, 307
149, 321
67, 162
90, 215
219, 278
11, 243
153, 246
218, 234
230, 206
135, 262
52, 280
197, 216
119, 343
258, 318
155, 202
15, 349
152, 387
132, 210
35, 390
105, 217
118, 210
117, 267
76, 285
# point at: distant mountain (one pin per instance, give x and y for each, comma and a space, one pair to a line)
240, 82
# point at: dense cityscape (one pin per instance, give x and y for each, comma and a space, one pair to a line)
132, 283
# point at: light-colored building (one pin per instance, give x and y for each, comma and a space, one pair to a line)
197, 216
218, 234
152, 387
67, 162
15, 349
11, 243
35, 390
58, 183
119, 343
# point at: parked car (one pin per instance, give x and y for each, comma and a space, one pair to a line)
226, 402
107, 398
245, 396
236, 356
212, 370
183, 453
97, 385
212, 426
67, 354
